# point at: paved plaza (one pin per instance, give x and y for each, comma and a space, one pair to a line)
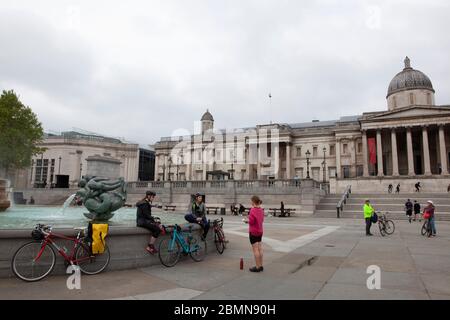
305, 258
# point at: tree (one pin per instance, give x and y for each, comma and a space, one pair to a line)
20, 133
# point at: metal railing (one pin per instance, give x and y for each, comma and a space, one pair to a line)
345, 196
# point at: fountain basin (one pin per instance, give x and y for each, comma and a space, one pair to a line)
126, 245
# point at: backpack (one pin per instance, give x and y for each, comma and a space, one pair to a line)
374, 218
97, 233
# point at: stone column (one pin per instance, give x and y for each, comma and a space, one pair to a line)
156, 168
166, 166
204, 164
258, 173
426, 151
443, 150
379, 154
288, 161
410, 152
364, 150
395, 172
338, 158
353, 158
277, 161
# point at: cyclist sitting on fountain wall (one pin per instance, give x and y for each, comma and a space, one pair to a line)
197, 214
144, 219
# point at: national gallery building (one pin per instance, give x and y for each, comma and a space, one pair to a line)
408, 140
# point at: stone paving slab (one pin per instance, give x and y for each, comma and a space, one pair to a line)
413, 267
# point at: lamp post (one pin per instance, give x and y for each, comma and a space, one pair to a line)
324, 163
59, 165
170, 164
307, 164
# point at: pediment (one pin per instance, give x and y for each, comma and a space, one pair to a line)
411, 112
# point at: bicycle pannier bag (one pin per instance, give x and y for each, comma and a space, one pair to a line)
97, 234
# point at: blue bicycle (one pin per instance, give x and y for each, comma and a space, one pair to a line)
170, 248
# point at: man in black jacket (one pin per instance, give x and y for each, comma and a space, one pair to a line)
144, 219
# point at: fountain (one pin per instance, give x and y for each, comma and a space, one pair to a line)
5, 203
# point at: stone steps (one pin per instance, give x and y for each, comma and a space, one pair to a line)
440, 216
392, 203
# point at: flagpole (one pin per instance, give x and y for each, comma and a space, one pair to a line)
270, 107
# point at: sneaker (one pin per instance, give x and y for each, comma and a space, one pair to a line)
151, 250
255, 269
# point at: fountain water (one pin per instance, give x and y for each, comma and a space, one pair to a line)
68, 202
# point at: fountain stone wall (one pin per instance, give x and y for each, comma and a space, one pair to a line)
4, 201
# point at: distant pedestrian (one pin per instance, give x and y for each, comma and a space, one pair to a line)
418, 186
409, 209
241, 209
397, 190
368, 213
429, 212
31, 200
282, 213
390, 188
416, 210
255, 227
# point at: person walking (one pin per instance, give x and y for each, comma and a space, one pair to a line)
430, 211
241, 209
390, 187
409, 209
418, 186
416, 210
144, 219
282, 213
368, 213
397, 190
255, 228
197, 214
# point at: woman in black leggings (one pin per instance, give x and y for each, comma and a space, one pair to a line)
144, 219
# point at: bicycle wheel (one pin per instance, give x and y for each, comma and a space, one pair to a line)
25, 265
389, 227
423, 230
382, 228
91, 263
219, 240
168, 255
197, 249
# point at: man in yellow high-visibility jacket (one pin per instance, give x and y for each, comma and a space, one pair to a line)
368, 213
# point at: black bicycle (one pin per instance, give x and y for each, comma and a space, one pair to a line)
386, 226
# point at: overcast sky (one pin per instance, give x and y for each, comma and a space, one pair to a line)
146, 69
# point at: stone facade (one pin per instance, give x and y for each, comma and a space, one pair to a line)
4, 201
411, 139
67, 153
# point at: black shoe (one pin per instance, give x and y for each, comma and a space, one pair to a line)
203, 237
261, 269
369, 234
255, 269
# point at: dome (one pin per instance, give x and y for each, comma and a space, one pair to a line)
207, 116
409, 79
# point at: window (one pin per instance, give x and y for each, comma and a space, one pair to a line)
359, 171
345, 148
394, 99
299, 151
346, 172
218, 155
199, 156
332, 150
429, 98
359, 147
411, 98
315, 151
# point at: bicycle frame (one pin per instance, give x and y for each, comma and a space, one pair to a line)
179, 237
49, 240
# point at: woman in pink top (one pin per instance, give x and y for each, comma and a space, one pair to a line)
255, 225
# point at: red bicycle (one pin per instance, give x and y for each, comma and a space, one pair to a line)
219, 235
35, 260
